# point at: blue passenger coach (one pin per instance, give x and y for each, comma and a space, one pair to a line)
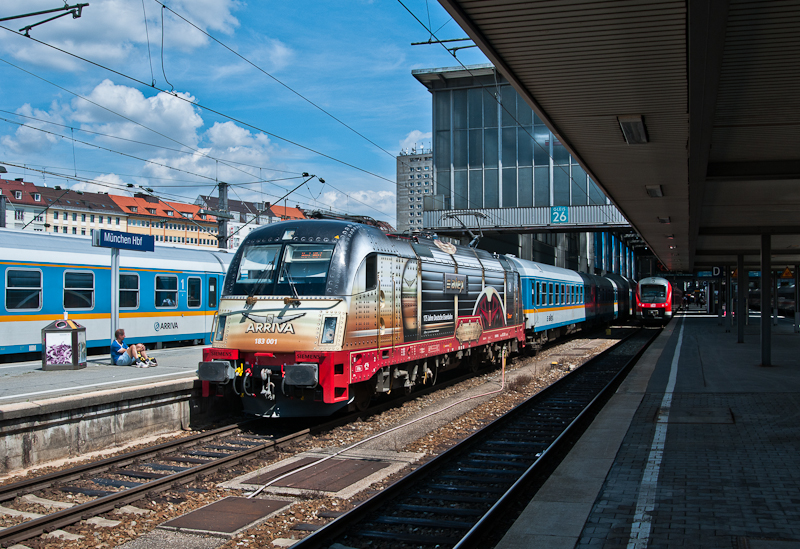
559, 301
170, 294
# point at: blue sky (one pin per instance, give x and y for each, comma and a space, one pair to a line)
353, 59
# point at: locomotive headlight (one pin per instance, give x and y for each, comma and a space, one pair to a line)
220, 331
328, 330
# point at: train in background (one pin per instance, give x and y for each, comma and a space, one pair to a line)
170, 294
316, 316
657, 299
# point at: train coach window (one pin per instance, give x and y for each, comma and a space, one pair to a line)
166, 291
23, 289
212, 292
194, 288
78, 289
128, 291
549, 293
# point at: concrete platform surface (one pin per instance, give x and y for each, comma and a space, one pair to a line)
26, 381
699, 447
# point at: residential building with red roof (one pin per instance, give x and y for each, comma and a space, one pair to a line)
283, 213
58, 210
168, 222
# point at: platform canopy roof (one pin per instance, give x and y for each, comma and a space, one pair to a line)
716, 85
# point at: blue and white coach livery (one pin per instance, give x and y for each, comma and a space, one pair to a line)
170, 294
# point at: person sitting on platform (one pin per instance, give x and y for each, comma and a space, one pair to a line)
125, 355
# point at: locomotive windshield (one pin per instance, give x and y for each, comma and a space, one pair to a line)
653, 293
289, 269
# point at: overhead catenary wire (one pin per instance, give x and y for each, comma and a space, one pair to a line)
298, 94
137, 142
195, 150
178, 96
125, 188
273, 77
165, 165
147, 34
163, 70
173, 94
181, 97
149, 161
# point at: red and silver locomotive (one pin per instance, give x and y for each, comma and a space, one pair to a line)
316, 315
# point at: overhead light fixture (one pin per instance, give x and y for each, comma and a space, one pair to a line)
670, 236
654, 191
664, 220
672, 247
633, 129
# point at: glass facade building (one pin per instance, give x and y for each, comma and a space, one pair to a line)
492, 151
494, 160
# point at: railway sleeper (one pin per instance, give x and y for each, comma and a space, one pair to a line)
455, 498
410, 538
487, 478
439, 510
424, 522
465, 488
494, 462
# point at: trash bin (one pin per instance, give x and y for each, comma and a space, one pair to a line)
63, 346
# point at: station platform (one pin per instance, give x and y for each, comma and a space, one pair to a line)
55, 415
27, 382
699, 447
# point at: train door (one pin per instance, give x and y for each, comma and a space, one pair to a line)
211, 305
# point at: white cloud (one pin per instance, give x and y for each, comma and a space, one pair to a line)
416, 139
163, 113
115, 185
361, 203
237, 148
28, 140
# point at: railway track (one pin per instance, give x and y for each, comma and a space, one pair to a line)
129, 477
453, 500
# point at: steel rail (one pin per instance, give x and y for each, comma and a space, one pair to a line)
53, 521
48, 523
473, 536
10, 491
345, 524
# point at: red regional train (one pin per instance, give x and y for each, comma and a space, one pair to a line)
657, 299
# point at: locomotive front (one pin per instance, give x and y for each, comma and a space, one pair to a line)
654, 299
279, 332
